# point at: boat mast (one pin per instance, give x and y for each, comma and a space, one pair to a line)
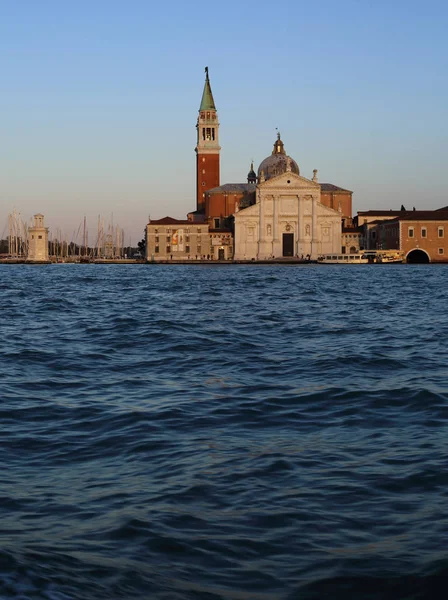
84, 239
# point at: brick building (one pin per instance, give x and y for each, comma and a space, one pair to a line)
422, 235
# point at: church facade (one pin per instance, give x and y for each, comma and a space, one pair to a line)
286, 220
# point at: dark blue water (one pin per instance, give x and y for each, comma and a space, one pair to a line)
234, 432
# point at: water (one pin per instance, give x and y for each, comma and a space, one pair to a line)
235, 432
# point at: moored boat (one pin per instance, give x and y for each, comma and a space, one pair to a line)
343, 259
364, 257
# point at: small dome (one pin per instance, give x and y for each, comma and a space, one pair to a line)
251, 176
279, 162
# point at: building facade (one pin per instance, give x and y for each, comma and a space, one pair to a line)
287, 220
174, 239
421, 235
368, 220
171, 239
352, 240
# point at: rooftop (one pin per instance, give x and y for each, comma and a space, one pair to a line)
232, 188
171, 221
381, 213
408, 215
329, 187
422, 215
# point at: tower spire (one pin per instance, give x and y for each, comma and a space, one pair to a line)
207, 102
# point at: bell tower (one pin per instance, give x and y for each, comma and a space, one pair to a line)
207, 147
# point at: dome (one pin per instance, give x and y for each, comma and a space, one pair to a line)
279, 162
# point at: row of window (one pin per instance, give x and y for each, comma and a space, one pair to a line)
168, 249
424, 234
212, 115
157, 238
186, 231
187, 249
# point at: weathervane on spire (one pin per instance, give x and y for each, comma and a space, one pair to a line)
278, 133
206, 71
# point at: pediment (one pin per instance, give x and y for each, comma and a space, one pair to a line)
254, 209
289, 180
327, 211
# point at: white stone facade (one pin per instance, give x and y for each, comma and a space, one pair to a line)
287, 220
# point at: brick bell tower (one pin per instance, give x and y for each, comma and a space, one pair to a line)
207, 147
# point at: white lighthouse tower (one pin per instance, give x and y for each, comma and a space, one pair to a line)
38, 240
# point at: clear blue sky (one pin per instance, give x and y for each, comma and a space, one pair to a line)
99, 100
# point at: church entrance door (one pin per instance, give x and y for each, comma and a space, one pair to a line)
221, 254
288, 244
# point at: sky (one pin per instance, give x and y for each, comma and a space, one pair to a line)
99, 101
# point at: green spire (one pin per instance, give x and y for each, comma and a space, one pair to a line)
207, 102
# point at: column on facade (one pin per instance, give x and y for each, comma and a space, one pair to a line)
300, 228
261, 227
275, 201
336, 240
314, 226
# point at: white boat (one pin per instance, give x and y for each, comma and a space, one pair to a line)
365, 257
343, 259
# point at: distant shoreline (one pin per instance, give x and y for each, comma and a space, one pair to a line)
291, 261
275, 261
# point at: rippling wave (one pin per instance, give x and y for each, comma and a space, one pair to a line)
248, 432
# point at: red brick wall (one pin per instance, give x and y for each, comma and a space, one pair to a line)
332, 199
221, 205
207, 176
